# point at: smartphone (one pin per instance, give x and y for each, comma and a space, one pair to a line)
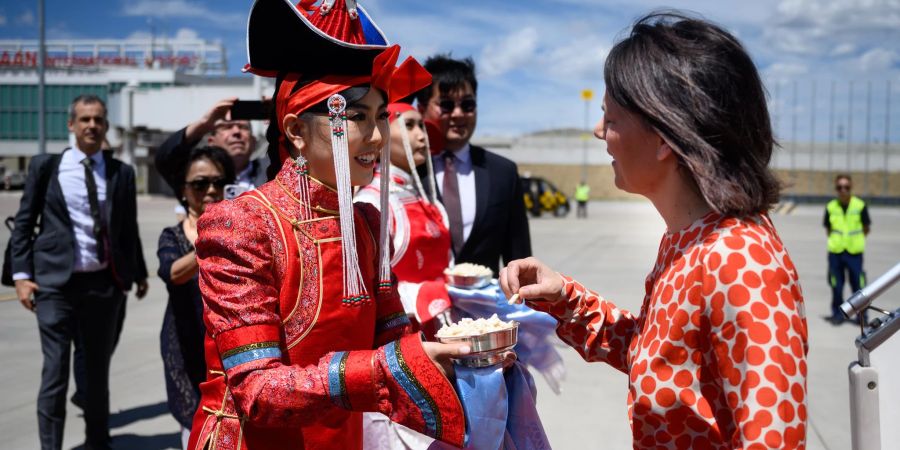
232, 191
251, 110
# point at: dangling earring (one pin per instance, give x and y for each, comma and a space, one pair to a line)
355, 293
301, 168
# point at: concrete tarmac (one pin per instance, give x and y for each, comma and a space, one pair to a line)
611, 252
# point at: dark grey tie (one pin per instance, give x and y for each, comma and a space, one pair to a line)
450, 195
94, 201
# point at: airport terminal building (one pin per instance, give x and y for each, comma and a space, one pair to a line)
139, 79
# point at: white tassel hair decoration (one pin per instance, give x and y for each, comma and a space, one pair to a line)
384, 269
354, 286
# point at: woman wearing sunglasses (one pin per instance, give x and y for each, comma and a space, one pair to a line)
202, 180
716, 357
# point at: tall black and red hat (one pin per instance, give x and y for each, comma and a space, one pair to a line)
331, 45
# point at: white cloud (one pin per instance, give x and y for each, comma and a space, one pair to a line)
509, 53
878, 59
186, 34
182, 33
785, 70
183, 9
138, 35
2, 19
580, 58
817, 27
26, 18
843, 49
61, 31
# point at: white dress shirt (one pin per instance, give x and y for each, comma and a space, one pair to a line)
243, 179
74, 188
465, 177
72, 182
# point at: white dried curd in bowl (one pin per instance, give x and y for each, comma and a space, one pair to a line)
473, 327
470, 270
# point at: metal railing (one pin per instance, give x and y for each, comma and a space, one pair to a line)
865, 388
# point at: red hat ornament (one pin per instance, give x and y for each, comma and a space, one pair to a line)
318, 49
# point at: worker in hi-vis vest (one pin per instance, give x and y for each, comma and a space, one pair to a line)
582, 195
847, 224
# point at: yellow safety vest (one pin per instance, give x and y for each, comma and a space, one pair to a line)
846, 228
583, 193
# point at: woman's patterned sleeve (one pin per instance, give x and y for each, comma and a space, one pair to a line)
241, 297
758, 341
595, 327
168, 251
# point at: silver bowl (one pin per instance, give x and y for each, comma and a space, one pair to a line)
467, 281
487, 349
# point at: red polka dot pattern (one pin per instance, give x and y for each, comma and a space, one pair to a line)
717, 356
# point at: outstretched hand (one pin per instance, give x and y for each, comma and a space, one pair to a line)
532, 280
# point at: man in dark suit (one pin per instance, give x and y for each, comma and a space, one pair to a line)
479, 189
75, 272
235, 136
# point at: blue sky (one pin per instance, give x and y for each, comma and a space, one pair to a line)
534, 57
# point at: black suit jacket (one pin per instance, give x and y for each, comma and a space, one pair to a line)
500, 230
50, 256
174, 153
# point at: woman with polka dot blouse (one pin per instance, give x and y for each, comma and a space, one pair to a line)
716, 357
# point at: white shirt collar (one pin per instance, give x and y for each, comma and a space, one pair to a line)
464, 154
245, 174
79, 155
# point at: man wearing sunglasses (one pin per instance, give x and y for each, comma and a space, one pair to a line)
847, 224
479, 189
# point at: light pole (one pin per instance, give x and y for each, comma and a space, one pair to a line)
42, 104
587, 95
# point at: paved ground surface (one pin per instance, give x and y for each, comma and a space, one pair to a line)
611, 252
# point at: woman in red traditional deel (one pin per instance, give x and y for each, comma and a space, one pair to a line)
418, 222
305, 331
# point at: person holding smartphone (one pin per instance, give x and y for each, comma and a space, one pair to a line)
221, 130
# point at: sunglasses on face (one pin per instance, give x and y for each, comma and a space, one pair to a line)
203, 184
467, 105
842, 187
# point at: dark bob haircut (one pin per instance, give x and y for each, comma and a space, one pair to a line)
694, 83
216, 155
449, 75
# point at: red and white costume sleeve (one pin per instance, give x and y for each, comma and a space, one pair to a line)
292, 365
421, 248
717, 356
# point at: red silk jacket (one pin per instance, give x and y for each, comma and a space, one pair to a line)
421, 248
292, 366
